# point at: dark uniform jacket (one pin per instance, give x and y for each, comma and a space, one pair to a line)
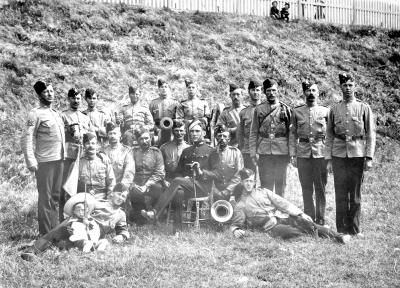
243, 133
149, 166
230, 118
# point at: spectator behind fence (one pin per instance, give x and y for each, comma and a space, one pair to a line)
285, 12
274, 12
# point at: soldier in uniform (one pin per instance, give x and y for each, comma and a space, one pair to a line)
120, 156
149, 177
307, 148
163, 106
194, 162
172, 150
246, 117
98, 118
76, 125
230, 116
350, 147
269, 137
96, 175
43, 144
133, 116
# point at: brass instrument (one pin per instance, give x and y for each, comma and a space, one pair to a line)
221, 211
166, 123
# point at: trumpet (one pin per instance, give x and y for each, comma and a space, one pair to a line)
221, 211
166, 123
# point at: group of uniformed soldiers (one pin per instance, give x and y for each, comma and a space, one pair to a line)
265, 136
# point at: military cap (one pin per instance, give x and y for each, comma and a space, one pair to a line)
246, 173
189, 82
88, 136
253, 84
344, 77
306, 85
133, 89
39, 87
288, 4
268, 83
140, 131
161, 82
274, 2
233, 87
73, 92
177, 123
89, 93
199, 122
220, 128
111, 126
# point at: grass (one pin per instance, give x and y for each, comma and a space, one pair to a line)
106, 47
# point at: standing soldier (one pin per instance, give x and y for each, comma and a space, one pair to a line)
350, 147
230, 116
43, 144
120, 156
193, 107
76, 125
161, 107
98, 118
269, 137
133, 116
246, 117
307, 148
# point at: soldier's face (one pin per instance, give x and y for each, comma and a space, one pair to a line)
196, 133
75, 102
179, 132
92, 101
47, 95
348, 89
248, 183
255, 93
144, 141
79, 210
163, 90
134, 96
114, 135
91, 147
272, 93
192, 90
236, 97
118, 198
312, 94
223, 139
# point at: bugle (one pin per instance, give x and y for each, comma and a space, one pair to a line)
221, 211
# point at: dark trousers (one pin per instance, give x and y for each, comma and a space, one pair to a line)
53, 237
313, 176
295, 226
49, 181
138, 201
272, 170
248, 162
64, 196
348, 175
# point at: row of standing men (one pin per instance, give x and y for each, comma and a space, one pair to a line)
269, 135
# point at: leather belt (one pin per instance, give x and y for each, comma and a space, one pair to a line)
349, 137
311, 139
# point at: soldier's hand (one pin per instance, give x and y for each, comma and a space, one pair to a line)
329, 166
239, 233
232, 201
33, 168
293, 161
306, 217
118, 119
368, 165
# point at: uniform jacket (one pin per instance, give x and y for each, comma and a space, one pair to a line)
110, 218
269, 132
171, 153
121, 159
98, 175
98, 120
149, 166
230, 118
308, 132
84, 125
243, 133
350, 131
44, 138
136, 116
261, 208
161, 108
193, 108
228, 163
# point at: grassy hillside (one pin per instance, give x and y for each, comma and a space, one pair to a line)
106, 47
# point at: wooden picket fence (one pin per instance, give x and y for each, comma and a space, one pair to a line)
378, 13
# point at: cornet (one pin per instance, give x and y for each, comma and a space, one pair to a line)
221, 211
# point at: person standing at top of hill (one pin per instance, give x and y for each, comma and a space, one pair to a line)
98, 118
285, 12
274, 11
350, 147
43, 144
230, 116
161, 107
193, 107
76, 125
307, 149
269, 137
133, 116
246, 117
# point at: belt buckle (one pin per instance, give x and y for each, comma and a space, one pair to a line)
348, 138
272, 136
311, 139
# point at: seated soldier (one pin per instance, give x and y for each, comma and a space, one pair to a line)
149, 177
192, 170
263, 209
172, 150
96, 175
107, 213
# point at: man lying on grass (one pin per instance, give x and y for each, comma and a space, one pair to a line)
261, 208
107, 214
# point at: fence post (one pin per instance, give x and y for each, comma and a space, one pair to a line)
354, 13
299, 9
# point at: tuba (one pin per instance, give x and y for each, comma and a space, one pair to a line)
221, 211
166, 123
